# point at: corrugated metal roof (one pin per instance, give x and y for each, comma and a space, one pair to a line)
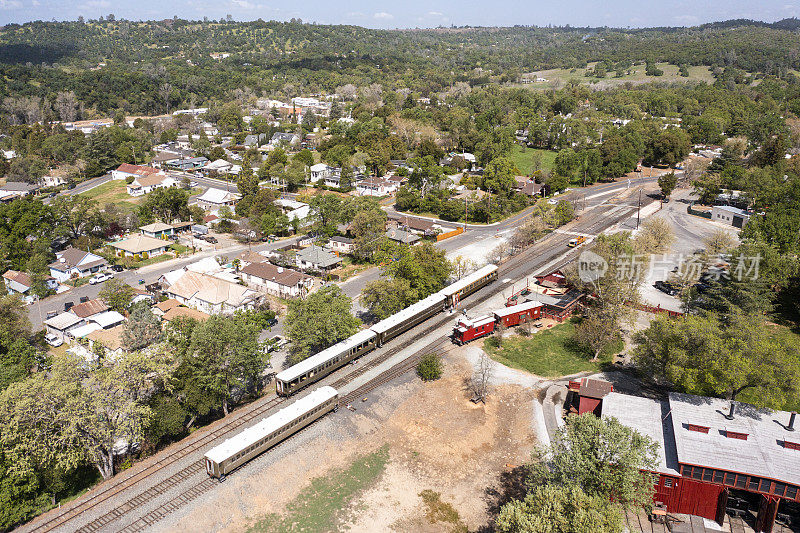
315, 360
253, 434
527, 306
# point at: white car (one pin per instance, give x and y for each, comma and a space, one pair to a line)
53, 340
100, 278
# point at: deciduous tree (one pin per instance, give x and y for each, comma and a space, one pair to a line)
319, 321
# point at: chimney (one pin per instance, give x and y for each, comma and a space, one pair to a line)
730, 414
280, 270
791, 421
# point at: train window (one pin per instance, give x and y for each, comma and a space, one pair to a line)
668, 482
718, 476
753, 484
730, 479
697, 472
764, 485
791, 492
741, 481
778, 488
708, 474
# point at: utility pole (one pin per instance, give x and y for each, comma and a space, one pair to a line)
639, 209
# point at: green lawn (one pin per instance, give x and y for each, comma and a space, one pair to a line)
525, 157
550, 353
114, 192
318, 507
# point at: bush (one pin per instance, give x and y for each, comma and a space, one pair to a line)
430, 367
492, 342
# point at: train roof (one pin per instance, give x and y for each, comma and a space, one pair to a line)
253, 434
527, 306
398, 318
315, 360
467, 280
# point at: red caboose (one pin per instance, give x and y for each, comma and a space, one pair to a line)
468, 329
517, 314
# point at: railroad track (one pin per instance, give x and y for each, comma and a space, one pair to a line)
254, 410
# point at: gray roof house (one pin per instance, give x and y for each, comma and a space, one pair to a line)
316, 258
402, 236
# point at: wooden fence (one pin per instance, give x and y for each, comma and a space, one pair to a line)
443, 236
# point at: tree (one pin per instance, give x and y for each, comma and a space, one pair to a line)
225, 358
75, 215
667, 183
305, 156
499, 174
429, 367
481, 377
385, 297
319, 321
17, 353
75, 413
710, 355
596, 332
552, 509
326, 209
602, 457
654, 237
117, 295
26, 228
142, 328
424, 267
166, 204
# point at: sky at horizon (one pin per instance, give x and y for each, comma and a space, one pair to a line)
415, 13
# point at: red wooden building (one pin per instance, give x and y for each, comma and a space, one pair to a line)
714, 459
587, 395
468, 329
514, 315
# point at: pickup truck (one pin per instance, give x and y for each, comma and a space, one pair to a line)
577, 241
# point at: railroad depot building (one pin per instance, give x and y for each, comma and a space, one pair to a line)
714, 459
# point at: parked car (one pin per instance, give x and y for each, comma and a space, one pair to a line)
84, 299
100, 278
666, 287
53, 340
51, 314
117, 268
68, 306
212, 240
276, 343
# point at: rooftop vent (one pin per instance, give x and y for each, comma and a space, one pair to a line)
792, 416
732, 411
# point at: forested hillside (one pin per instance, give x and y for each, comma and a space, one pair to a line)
150, 67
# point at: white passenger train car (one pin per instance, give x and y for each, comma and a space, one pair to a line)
455, 292
407, 318
234, 452
323, 363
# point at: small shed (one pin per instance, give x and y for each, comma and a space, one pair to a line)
588, 394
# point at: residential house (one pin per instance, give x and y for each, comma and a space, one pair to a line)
191, 163
316, 258
309, 239
528, 186
211, 294
140, 247
402, 236
220, 166
87, 310
214, 199
276, 280
52, 181
106, 319
184, 312
375, 187
142, 295
419, 226
289, 139
63, 324
110, 339
147, 184
320, 171
162, 307
254, 141
19, 189
126, 170
293, 209
20, 283
157, 230
342, 245
75, 263
730, 215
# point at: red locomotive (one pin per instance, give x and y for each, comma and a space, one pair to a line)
467, 329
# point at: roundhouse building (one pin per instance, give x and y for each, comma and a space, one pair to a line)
718, 458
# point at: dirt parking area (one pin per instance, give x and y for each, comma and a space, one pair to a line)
447, 464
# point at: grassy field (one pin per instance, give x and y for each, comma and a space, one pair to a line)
114, 192
550, 353
318, 506
524, 158
559, 77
